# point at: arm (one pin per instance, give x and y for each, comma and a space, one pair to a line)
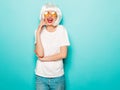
58, 56
38, 46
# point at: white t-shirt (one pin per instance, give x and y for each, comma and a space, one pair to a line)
52, 41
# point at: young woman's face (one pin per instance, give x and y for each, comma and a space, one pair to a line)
50, 17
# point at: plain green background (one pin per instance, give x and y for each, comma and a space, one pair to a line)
93, 26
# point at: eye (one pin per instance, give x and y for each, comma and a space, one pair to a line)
46, 13
53, 12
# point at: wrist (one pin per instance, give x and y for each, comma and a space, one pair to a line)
39, 29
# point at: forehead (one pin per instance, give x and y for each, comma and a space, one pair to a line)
51, 11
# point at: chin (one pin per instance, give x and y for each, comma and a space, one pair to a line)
50, 24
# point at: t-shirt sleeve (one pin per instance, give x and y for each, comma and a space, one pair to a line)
64, 39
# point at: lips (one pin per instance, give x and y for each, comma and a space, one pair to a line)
50, 20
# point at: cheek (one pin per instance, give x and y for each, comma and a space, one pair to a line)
55, 19
45, 19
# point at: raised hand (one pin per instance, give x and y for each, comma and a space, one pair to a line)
42, 23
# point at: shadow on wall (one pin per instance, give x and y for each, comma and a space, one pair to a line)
68, 61
34, 62
67, 66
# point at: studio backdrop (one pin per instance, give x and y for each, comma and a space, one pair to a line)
93, 26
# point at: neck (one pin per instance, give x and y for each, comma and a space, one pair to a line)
50, 28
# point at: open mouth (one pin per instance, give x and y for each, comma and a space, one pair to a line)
50, 20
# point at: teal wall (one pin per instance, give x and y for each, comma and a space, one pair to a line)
93, 26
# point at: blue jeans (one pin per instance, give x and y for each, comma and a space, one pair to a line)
43, 83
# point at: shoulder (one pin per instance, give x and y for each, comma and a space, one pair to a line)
61, 28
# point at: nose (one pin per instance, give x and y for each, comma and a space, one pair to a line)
49, 15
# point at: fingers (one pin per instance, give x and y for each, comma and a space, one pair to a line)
42, 22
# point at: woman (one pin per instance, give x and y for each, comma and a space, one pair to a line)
51, 48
